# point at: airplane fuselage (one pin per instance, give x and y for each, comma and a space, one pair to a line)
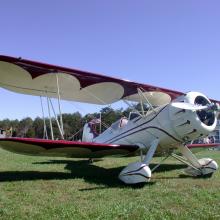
171, 125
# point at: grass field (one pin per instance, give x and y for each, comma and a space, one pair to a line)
58, 188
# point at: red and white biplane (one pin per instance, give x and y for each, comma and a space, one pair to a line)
172, 120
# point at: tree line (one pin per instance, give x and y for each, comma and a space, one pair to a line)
72, 123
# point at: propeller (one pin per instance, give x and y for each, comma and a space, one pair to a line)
188, 106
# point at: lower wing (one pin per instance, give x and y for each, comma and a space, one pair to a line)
195, 148
61, 148
191, 146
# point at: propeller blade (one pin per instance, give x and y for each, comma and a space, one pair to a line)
188, 106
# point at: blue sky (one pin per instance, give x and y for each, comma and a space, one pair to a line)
173, 44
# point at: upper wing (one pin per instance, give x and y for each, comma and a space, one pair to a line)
61, 148
34, 78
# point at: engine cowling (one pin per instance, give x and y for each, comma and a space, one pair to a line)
193, 124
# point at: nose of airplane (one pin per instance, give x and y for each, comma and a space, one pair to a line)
193, 115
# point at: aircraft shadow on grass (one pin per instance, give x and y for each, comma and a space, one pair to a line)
83, 170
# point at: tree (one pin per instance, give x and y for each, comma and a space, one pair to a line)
73, 124
24, 125
38, 126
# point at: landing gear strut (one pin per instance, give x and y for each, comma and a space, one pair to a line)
204, 167
139, 172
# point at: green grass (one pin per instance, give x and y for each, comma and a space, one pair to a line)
58, 188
